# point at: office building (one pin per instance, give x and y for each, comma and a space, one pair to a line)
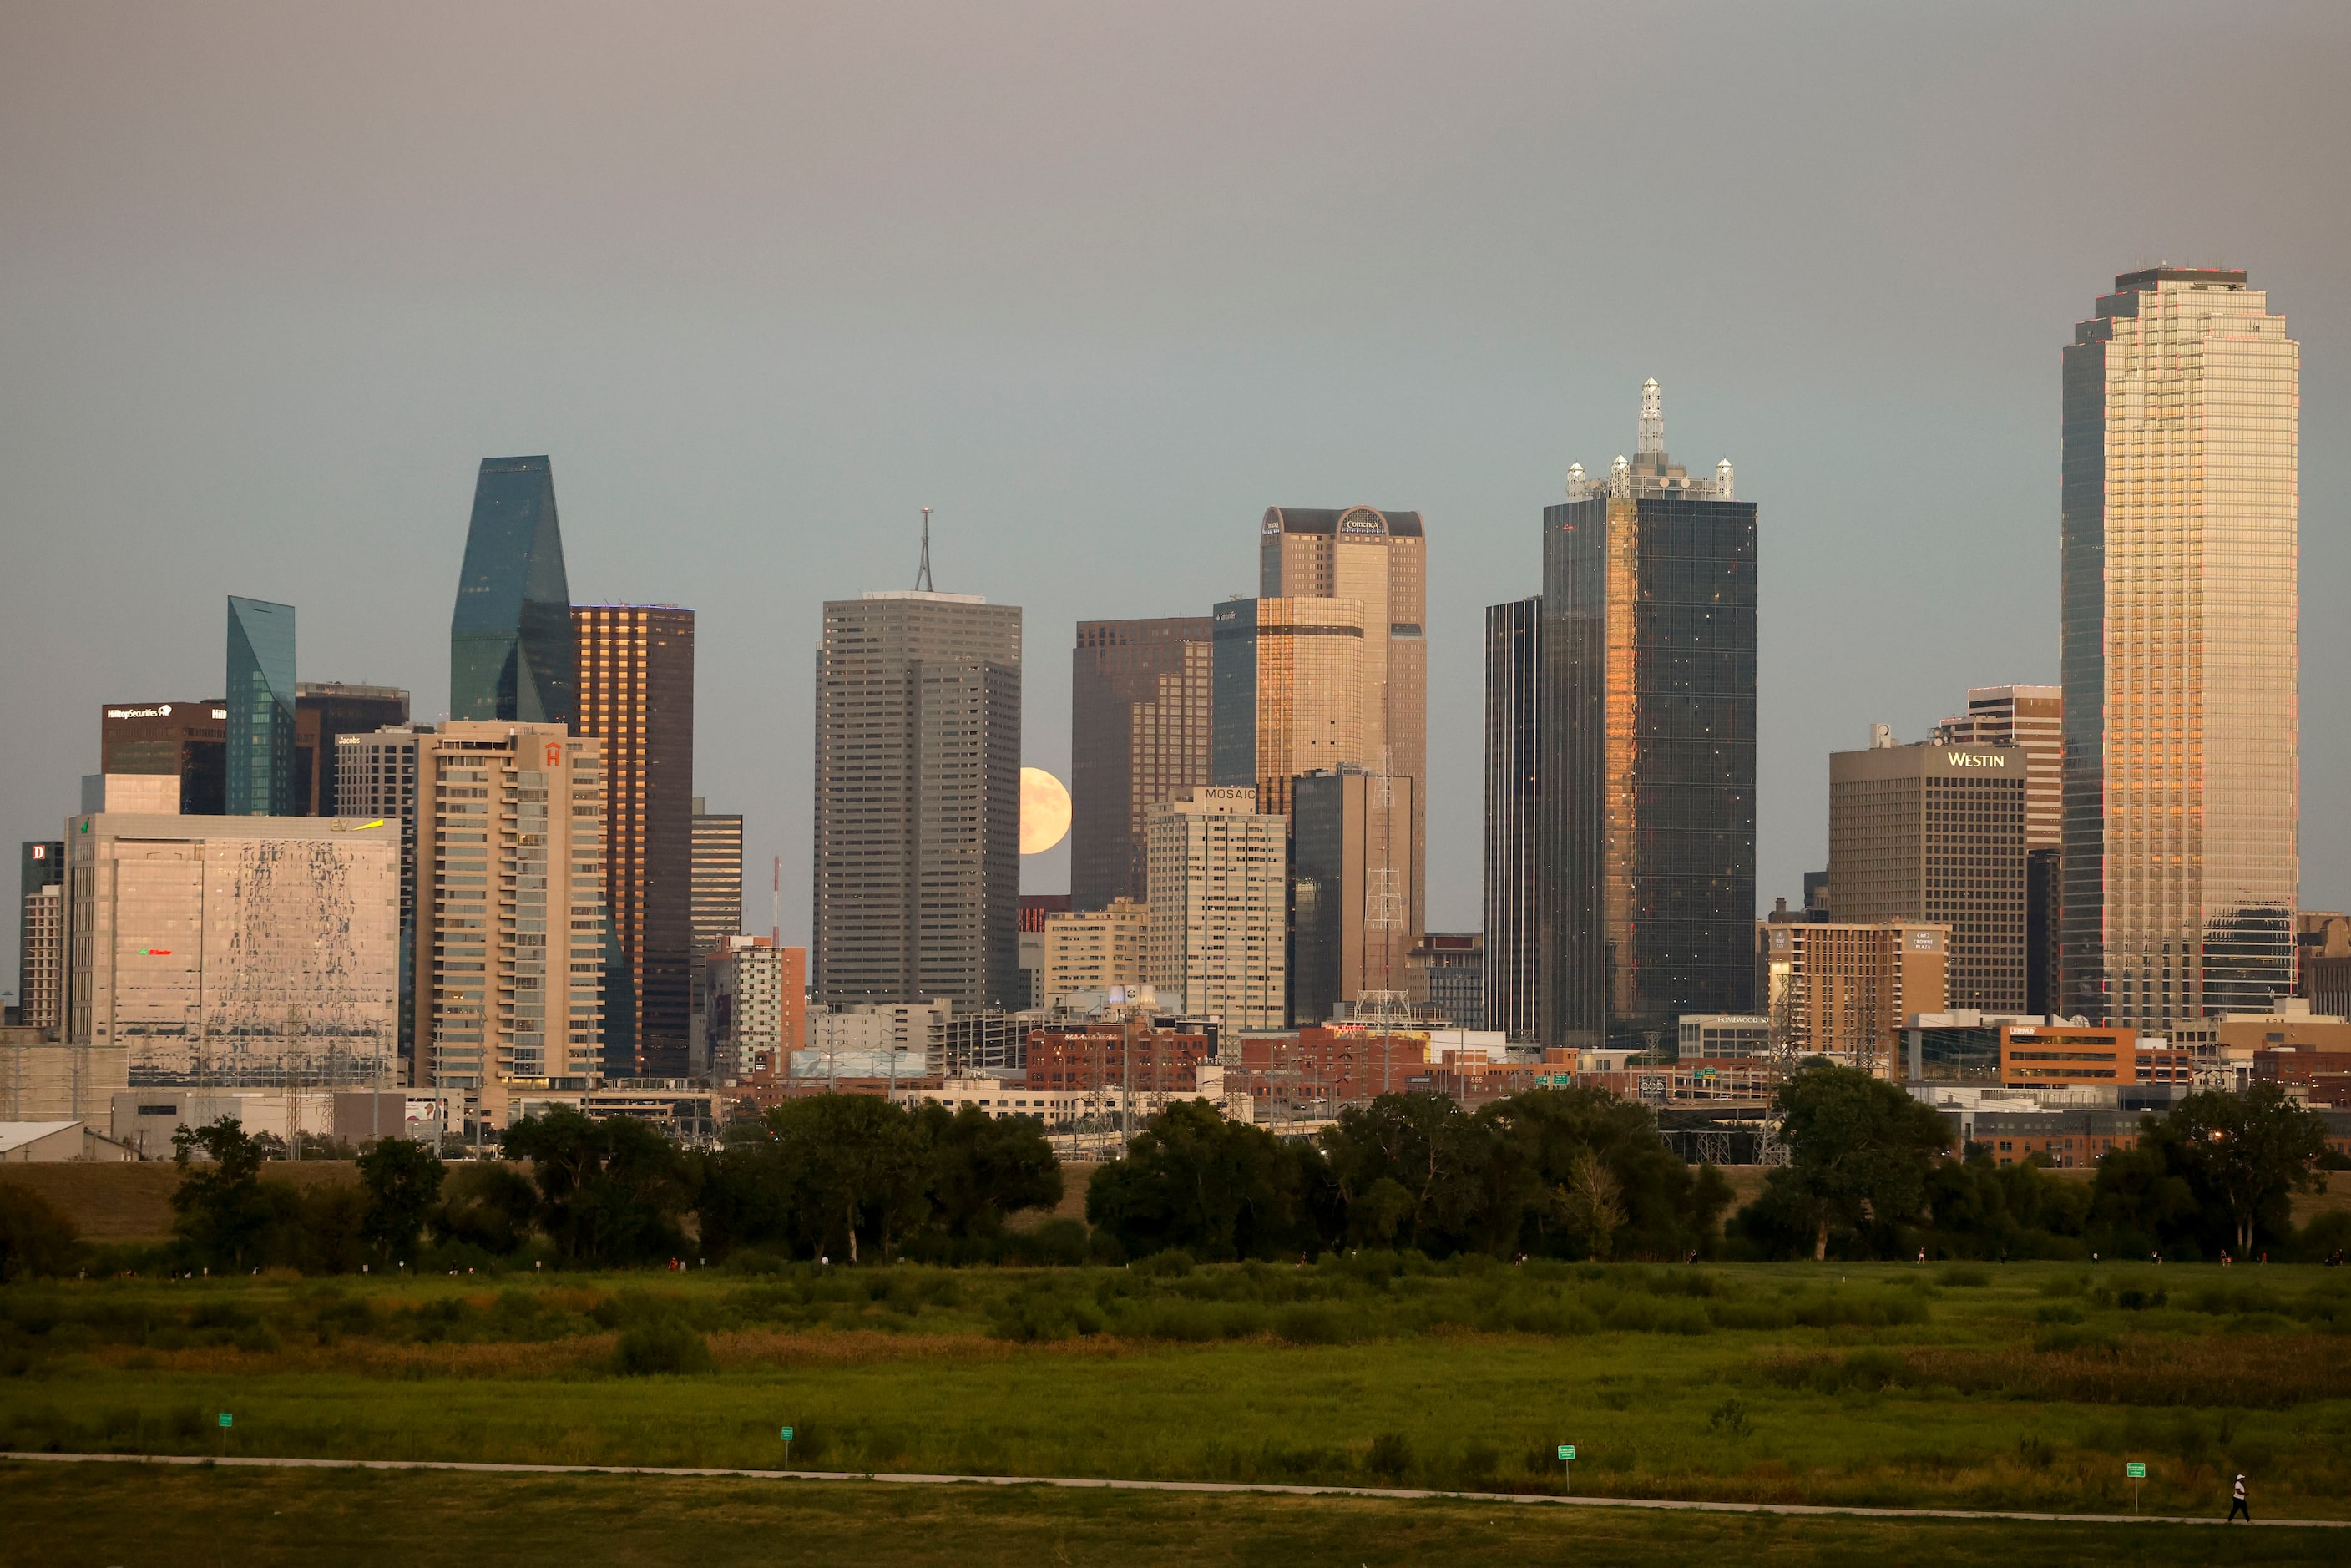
1219, 909
1379, 561
1350, 895
187, 742
758, 1006
1514, 712
1036, 908
260, 760
510, 638
634, 691
258, 951
715, 910
2179, 627
1094, 949
1848, 988
1715, 1037
1450, 970
136, 794
2034, 719
510, 941
1288, 692
1647, 853
917, 864
41, 935
1935, 833
1139, 698
2323, 959
325, 712
375, 779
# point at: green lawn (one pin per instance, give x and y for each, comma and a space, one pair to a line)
2025, 1392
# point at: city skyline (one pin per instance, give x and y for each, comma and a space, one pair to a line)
319, 461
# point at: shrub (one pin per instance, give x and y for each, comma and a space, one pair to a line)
666, 1347
1731, 1420
35, 1238
1390, 1458
1964, 1277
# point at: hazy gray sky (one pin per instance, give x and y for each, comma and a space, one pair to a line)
1100, 284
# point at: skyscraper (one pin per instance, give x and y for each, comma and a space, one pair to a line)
41, 935
1510, 975
1379, 560
1648, 749
1288, 695
2032, 717
190, 739
717, 902
260, 724
375, 777
1139, 698
325, 712
1350, 892
1219, 909
1935, 833
510, 643
634, 690
917, 862
2181, 621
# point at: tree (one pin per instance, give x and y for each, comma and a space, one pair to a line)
1860, 1148
218, 1208
1592, 1205
35, 1238
855, 1166
1669, 1209
1423, 1173
486, 1204
1193, 1181
982, 1168
402, 1178
2244, 1155
610, 1191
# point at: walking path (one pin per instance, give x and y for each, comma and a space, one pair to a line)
1081, 1482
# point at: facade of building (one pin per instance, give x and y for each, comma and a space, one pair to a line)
1095, 949
41, 935
1378, 560
716, 909
1714, 1037
1935, 833
260, 951
325, 712
634, 689
2323, 960
1219, 909
1836, 987
375, 779
2044, 1056
1452, 969
260, 760
1351, 894
510, 652
1648, 851
758, 1005
1288, 692
917, 801
2180, 656
1514, 713
510, 945
1139, 696
188, 742
2032, 719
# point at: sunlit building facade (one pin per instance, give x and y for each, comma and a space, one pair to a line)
1288, 694
1219, 909
260, 780
2180, 628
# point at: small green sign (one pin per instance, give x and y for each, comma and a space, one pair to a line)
227, 1419
1567, 1450
2138, 1470
787, 1433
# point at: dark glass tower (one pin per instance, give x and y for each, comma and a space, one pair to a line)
1138, 737
260, 757
1514, 712
510, 642
1648, 750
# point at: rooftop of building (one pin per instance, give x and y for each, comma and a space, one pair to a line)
1650, 473
1366, 521
2149, 277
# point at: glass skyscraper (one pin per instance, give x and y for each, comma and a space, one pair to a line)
510, 642
2181, 606
1510, 964
1647, 908
260, 751
1139, 695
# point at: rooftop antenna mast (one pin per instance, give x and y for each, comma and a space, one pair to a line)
922, 572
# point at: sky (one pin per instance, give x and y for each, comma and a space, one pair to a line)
1098, 284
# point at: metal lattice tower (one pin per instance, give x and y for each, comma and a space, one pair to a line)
1653, 421
922, 572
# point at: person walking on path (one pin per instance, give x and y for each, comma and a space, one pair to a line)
2239, 1507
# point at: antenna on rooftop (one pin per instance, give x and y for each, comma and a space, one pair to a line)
1653, 420
922, 572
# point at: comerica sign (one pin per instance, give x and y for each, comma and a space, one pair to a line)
1976, 759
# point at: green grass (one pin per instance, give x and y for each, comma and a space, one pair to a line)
1869, 1386
107, 1514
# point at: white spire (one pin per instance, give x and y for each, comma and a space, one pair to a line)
1578, 485
1620, 477
1722, 480
1653, 420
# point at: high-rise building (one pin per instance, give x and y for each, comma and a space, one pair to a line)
1095, 949
260, 760
1454, 965
1378, 560
1219, 909
1288, 695
1935, 833
716, 911
634, 691
2032, 718
1647, 853
375, 779
325, 712
1351, 894
758, 1005
1845, 987
1514, 711
2180, 619
234, 950
509, 972
1139, 698
511, 641
917, 872
1036, 909
189, 741
41, 935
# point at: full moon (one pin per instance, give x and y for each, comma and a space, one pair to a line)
1044, 811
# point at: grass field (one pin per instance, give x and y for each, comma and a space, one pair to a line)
2018, 1386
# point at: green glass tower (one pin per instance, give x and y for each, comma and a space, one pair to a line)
510, 642
260, 749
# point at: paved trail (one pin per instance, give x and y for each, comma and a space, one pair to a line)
1085, 1483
